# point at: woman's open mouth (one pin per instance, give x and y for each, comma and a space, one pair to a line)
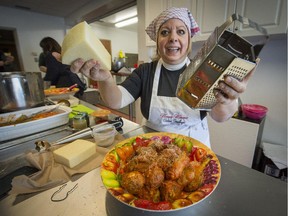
173, 49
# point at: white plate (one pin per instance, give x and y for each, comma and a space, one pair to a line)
31, 127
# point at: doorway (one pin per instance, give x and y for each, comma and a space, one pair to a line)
9, 45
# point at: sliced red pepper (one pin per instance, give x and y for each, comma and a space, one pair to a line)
207, 188
200, 154
192, 153
110, 163
140, 142
141, 203
128, 149
147, 204
120, 153
125, 151
163, 205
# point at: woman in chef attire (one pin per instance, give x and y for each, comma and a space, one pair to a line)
156, 82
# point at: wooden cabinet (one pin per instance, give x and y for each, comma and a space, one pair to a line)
211, 13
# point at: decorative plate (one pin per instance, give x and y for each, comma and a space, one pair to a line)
160, 171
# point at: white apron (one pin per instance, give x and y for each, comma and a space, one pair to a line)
170, 114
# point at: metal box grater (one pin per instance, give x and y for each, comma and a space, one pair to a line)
223, 53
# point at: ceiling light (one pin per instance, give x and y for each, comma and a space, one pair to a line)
126, 22
121, 15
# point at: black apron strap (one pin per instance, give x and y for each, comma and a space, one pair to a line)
203, 114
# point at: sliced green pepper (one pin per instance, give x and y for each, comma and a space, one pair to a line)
111, 183
106, 174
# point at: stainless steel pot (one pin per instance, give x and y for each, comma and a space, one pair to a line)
115, 207
118, 64
20, 90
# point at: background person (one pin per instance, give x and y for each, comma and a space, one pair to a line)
6, 62
57, 73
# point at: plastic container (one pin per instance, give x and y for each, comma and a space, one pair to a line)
104, 136
254, 111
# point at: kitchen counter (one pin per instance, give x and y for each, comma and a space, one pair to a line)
12, 148
241, 191
12, 152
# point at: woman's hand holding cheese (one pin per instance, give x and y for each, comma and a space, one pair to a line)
90, 69
109, 91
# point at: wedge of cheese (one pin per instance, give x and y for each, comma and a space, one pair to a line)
74, 153
81, 42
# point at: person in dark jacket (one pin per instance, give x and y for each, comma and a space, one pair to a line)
6, 62
57, 73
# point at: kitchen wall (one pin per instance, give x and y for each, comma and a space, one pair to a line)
120, 39
267, 87
32, 27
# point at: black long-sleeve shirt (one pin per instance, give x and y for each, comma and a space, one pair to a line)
60, 74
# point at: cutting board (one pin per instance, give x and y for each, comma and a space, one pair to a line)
80, 108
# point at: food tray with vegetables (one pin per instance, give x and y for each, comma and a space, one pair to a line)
60, 91
30, 121
160, 171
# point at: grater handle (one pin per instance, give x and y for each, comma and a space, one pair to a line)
245, 21
258, 47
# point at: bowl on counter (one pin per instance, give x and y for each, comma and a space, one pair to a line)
254, 111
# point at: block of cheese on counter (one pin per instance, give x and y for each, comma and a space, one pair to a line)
82, 42
74, 153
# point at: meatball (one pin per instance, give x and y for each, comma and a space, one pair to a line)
166, 158
154, 176
141, 162
187, 176
170, 190
158, 146
133, 182
198, 177
177, 167
152, 194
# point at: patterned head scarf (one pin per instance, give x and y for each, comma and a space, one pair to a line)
179, 13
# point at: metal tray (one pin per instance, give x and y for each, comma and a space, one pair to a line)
23, 129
